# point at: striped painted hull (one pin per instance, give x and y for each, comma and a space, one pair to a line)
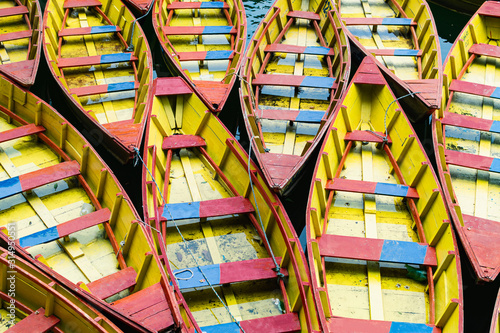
212, 222
466, 134
294, 72
103, 64
382, 253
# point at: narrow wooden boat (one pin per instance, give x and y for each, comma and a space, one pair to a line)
203, 41
101, 60
32, 302
220, 232
495, 323
72, 218
382, 254
467, 140
295, 69
402, 35
20, 37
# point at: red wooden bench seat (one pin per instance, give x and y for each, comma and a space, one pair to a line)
480, 124
288, 322
340, 324
206, 55
378, 21
295, 81
11, 11
198, 5
361, 186
366, 136
490, 8
15, 35
35, 322
114, 283
475, 89
472, 161
313, 50
104, 88
183, 141
102, 29
485, 50
373, 249
95, 60
199, 30
167, 86
81, 3
304, 15
396, 52
20, 131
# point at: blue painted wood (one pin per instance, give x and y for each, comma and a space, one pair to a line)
40, 237
318, 82
121, 86
310, 116
218, 55
403, 252
403, 52
212, 4
103, 29
496, 93
10, 187
396, 21
495, 127
222, 328
117, 57
179, 211
192, 277
397, 190
213, 30
317, 50
400, 327
495, 165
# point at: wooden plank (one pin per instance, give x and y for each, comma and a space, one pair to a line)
348, 21
198, 5
305, 116
299, 49
366, 136
12, 11
183, 141
206, 55
295, 81
472, 161
35, 322
475, 89
480, 124
96, 60
20, 132
114, 283
304, 15
485, 50
360, 186
199, 30
490, 8
396, 52
104, 88
341, 324
167, 86
81, 3
9, 36
102, 29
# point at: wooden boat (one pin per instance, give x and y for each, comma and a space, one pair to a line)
401, 34
20, 37
382, 254
237, 236
36, 303
140, 6
101, 60
466, 139
203, 41
468, 7
495, 323
295, 69
72, 218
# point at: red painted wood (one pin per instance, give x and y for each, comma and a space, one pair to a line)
35, 322
289, 322
128, 132
281, 159
485, 247
285, 48
368, 73
304, 15
185, 30
350, 247
20, 131
49, 174
15, 35
80, 31
215, 91
192, 5
366, 136
388, 52
466, 160
166, 86
81, 3
277, 114
485, 50
11, 11
471, 88
489, 8
455, 119
156, 318
196, 56
361, 186
114, 283
83, 222
82, 61
366, 21
248, 270
95, 90
478, 223
183, 141
21, 71
278, 80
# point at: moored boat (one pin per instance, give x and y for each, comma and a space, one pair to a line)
401, 34
99, 56
203, 41
381, 250
20, 37
220, 231
294, 72
467, 141
73, 219
495, 323
32, 302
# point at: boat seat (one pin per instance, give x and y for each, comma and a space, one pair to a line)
475, 89
65, 229
205, 55
304, 116
101, 29
35, 322
313, 50
472, 161
366, 136
12, 11
171, 86
198, 5
485, 50
227, 272
396, 52
112, 284
304, 15
34, 179
81, 3
95, 60
104, 88
295, 81
15, 35
491, 8
480, 124
342, 324
183, 141
373, 249
20, 131
288, 322
378, 21
361, 186
480, 224
207, 208
199, 30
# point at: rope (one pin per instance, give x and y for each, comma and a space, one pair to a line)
130, 48
277, 266
138, 156
182, 271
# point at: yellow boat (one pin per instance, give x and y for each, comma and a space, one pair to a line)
466, 139
72, 218
20, 38
295, 69
236, 258
99, 56
203, 41
401, 34
382, 253
32, 302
